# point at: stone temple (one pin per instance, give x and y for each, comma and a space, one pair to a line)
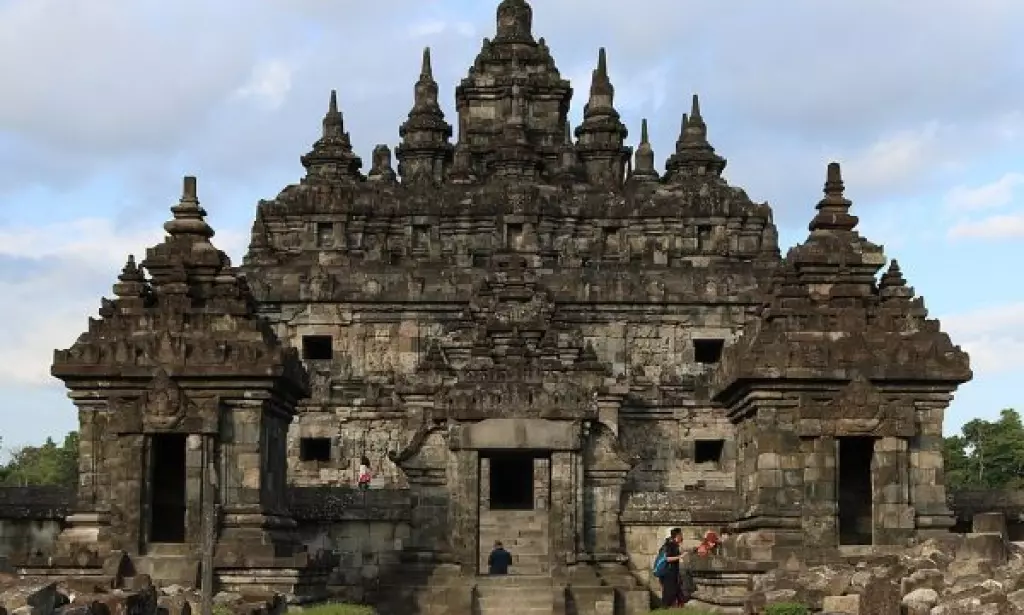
535, 336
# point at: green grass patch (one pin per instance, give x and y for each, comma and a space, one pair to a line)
786, 608
337, 608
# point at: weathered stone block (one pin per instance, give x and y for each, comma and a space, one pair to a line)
989, 523
842, 605
41, 598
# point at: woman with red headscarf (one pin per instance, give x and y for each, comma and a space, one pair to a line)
687, 587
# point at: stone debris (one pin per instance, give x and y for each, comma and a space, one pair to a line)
76, 596
942, 576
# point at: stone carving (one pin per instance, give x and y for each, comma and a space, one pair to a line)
165, 403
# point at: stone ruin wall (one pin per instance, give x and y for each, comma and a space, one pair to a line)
368, 530
364, 349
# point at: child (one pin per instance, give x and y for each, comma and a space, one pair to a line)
364, 474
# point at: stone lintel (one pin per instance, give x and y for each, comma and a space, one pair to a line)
518, 434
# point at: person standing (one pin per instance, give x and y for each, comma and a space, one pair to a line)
499, 560
363, 481
670, 587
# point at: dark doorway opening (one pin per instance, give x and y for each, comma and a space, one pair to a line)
511, 481
854, 489
168, 502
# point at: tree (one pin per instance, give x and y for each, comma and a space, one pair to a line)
987, 454
48, 464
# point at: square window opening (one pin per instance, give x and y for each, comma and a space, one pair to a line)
708, 451
514, 235
324, 234
317, 347
708, 351
315, 449
420, 237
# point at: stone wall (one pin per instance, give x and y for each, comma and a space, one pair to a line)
966, 504
648, 516
30, 519
368, 529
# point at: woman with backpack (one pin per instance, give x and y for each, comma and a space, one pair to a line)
666, 568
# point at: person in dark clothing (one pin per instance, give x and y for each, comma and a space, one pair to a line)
499, 560
670, 587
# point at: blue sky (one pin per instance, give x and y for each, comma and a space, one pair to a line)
107, 103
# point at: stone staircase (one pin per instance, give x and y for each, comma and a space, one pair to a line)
524, 533
514, 595
170, 563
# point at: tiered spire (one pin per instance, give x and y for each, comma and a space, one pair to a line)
332, 156
644, 170
462, 166
569, 169
833, 210
516, 157
834, 253
602, 134
694, 155
131, 283
189, 219
425, 152
380, 166
893, 284
515, 22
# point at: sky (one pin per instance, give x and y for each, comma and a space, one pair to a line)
108, 103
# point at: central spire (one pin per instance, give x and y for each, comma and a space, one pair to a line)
515, 22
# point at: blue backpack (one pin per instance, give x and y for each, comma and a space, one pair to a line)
660, 567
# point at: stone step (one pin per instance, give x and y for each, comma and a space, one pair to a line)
509, 540
521, 581
516, 519
516, 599
509, 533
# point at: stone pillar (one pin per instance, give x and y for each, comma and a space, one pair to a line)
464, 510
541, 482
485, 483
564, 516
892, 515
927, 474
771, 488
820, 509
129, 460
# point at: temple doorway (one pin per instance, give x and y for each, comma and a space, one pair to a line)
514, 509
167, 488
511, 481
854, 487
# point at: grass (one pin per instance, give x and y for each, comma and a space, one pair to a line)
338, 608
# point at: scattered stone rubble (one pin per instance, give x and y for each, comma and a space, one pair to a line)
980, 573
132, 596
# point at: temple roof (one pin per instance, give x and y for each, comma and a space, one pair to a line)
826, 318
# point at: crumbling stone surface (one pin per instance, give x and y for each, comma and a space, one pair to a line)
934, 578
75, 596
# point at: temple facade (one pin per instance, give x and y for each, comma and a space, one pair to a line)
534, 336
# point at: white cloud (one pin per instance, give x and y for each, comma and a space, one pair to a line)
1008, 226
996, 194
993, 336
434, 27
270, 83
894, 158
53, 279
